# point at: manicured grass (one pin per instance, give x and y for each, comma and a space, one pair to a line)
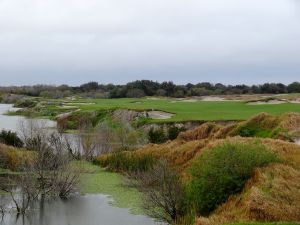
97, 180
188, 111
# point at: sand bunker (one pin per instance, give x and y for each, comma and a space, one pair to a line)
271, 102
68, 107
153, 98
189, 100
64, 115
159, 115
80, 103
212, 99
295, 101
184, 100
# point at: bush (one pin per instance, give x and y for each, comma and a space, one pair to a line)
10, 138
157, 136
174, 131
126, 162
256, 131
223, 171
25, 103
14, 159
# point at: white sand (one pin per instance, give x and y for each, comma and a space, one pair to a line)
212, 99
159, 115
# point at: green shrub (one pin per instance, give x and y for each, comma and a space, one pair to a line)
10, 138
126, 162
25, 103
223, 171
174, 131
157, 136
256, 131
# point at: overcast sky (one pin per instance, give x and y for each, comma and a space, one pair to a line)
75, 41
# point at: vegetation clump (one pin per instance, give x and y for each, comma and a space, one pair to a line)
11, 138
223, 171
126, 162
157, 136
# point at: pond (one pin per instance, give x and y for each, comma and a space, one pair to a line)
13, 122
79, 210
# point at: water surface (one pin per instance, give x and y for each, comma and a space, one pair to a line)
79, 210
13, 122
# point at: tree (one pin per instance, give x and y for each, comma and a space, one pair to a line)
135, 93
90, 86
294, 87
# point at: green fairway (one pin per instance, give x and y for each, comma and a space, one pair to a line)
189, 111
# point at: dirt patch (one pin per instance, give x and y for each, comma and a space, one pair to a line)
159, 115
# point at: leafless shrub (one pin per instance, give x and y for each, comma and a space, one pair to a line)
163, 192
49, 174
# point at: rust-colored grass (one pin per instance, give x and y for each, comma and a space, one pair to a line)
272, 194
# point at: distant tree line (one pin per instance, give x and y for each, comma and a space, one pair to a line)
141, 88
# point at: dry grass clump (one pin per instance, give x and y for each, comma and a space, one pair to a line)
14, 159
272, 194
265, 120
181, 153
283, 127
178, 153
206, 130
289, 152
290, 121
225, 131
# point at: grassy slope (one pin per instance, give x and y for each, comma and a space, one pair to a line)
97, 180
187, 111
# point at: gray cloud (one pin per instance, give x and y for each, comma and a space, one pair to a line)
63, 41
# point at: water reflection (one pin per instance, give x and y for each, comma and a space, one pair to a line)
13, 122
80, 210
